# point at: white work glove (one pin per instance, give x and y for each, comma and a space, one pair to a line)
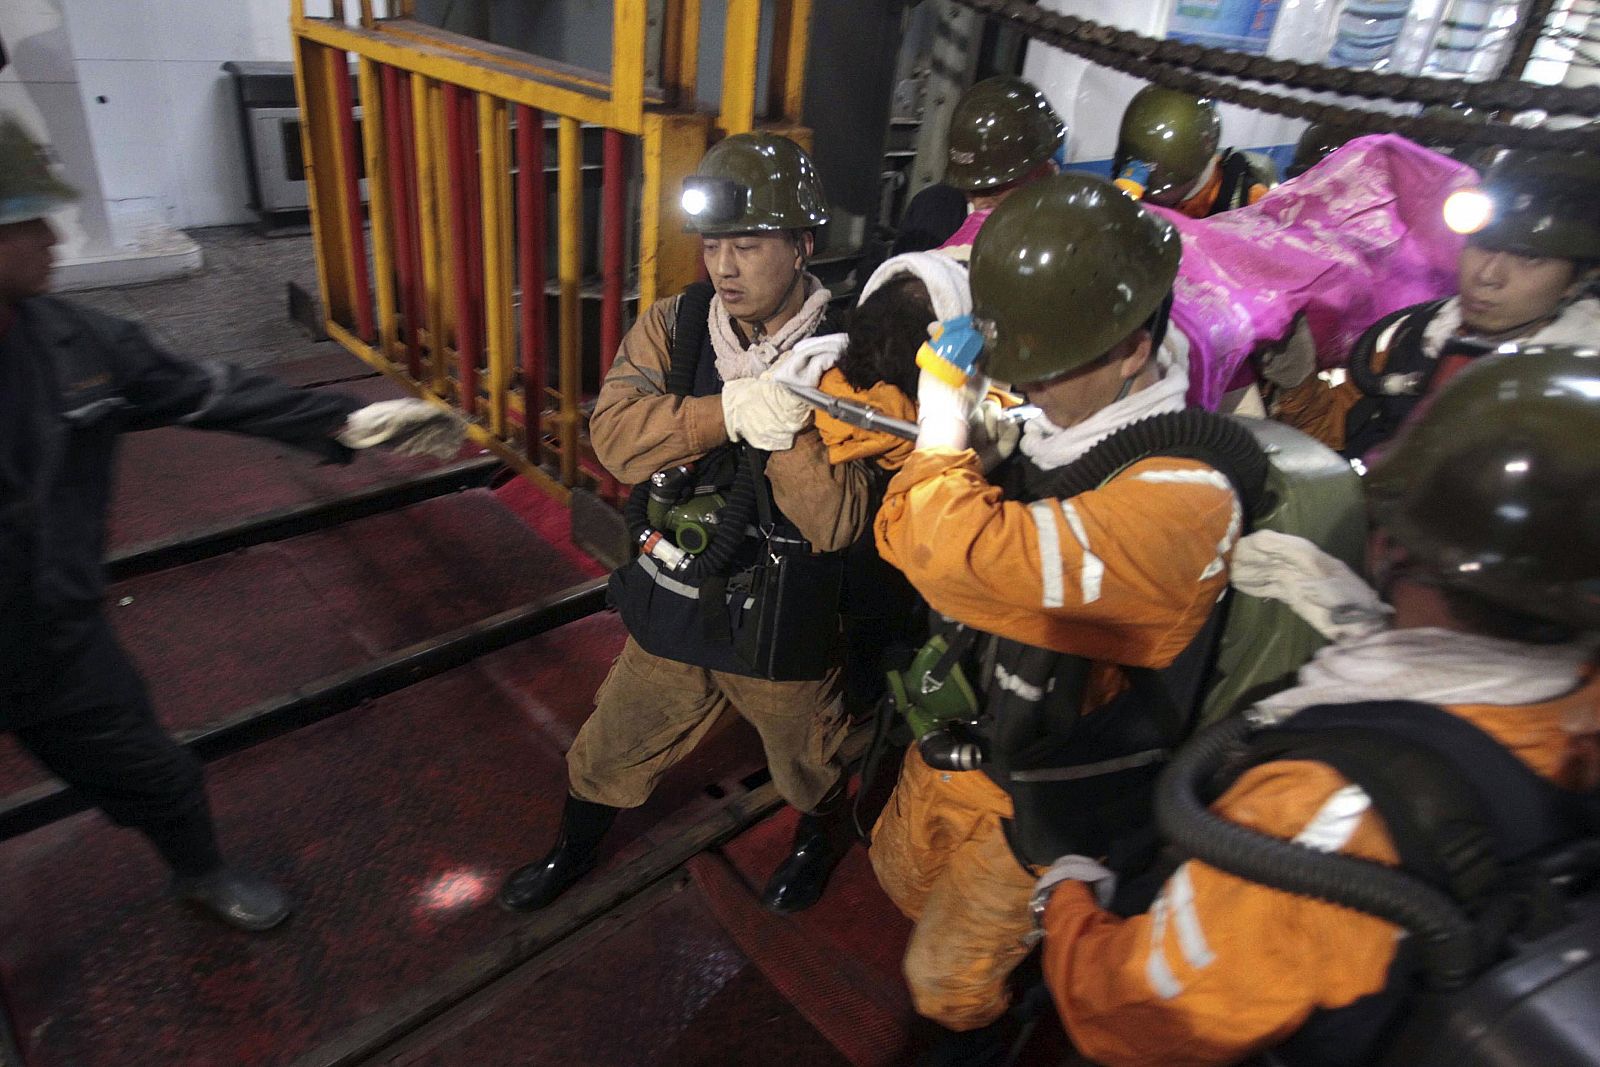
1289, 362
943, 411
409, 427
763, 413
1320, 589
993, 436
1101, 882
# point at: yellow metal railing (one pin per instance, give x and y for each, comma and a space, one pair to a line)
446, 279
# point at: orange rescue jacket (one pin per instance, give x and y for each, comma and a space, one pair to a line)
1220, 967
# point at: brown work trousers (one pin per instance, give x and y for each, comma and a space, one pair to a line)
652, 712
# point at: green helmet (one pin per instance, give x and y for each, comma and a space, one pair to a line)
1000, 131
1062, 271
1316, 143
27, 188
1534, 204
1172, 134
753, 182
1495, 489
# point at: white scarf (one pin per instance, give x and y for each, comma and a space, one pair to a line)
1435, 666
946, 282
945, 279
1577, 324
735, 360
1051, 446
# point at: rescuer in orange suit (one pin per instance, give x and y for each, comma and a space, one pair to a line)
1070, 281
1167, 153
690, 397
1488, 551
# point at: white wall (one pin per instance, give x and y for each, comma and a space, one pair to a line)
159, 107
40, 86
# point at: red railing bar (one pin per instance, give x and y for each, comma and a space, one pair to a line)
400, 212
613, 207
531, 249
613, 216
460, 251
469, 153
417, 309
360, 278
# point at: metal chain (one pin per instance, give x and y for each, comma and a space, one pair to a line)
1173, 65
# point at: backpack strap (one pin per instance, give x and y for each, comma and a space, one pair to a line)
1238, 175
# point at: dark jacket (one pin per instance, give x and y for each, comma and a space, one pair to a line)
74, 380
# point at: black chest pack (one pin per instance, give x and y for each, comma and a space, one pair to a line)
724, 580
1079, 783
1497, 884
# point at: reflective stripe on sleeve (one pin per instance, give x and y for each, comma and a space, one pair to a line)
1191, 938
1331, 828
1093, 569
1156, 969
1044, 522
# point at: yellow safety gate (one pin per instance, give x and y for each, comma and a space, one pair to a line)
445, 290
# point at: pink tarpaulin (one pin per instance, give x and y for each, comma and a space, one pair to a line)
968, 231
1357, 236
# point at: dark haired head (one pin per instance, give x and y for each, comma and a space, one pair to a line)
885, 333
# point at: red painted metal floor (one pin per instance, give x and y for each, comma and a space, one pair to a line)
393, 823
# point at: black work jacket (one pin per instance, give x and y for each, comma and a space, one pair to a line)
77, 379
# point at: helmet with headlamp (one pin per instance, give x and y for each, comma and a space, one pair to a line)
754, 183
1542, 204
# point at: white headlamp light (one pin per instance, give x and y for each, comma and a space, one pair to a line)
1466, 211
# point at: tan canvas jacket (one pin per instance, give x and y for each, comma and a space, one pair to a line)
639, 428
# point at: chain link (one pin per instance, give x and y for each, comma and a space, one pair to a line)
1175, 64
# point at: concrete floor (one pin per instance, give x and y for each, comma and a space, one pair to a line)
236, 309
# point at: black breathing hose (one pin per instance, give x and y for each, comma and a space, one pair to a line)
1443, 931
732, 519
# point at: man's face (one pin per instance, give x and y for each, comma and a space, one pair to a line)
1076, 395
1502, 290
753, 272
25, 259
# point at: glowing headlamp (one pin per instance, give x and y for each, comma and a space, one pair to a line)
710, 201
1466, 211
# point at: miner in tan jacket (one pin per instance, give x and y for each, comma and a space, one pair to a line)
720, 449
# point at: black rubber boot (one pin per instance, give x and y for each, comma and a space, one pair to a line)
820, 841
986, 1046
583, 826
238, 898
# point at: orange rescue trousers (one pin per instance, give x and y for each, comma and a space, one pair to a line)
940, 853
